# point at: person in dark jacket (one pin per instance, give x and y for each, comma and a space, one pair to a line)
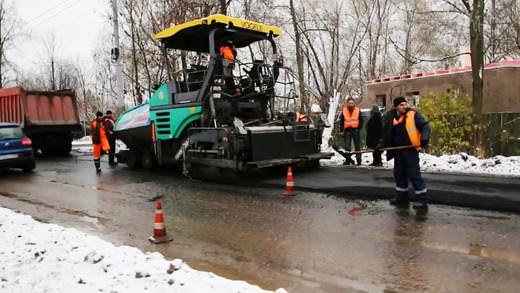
109, 127
374, 133
406, 127
351, 122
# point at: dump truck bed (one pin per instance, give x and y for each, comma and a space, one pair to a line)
38, 108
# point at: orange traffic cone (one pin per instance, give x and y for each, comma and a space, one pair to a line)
159, 231
289, 185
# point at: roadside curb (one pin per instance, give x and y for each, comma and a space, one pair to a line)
482, 192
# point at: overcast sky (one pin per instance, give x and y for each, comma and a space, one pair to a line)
76, 24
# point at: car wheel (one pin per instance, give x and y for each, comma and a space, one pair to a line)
29, 167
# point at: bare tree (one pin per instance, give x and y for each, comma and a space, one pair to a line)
9, 25
502, 30
476, 31
49, 65
299, 59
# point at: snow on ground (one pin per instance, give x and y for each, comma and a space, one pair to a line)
84, 145
459, 163
37, 257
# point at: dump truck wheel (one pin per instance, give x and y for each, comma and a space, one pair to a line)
64, 150
147, 161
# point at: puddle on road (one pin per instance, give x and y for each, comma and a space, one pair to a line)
81, 215
309, 241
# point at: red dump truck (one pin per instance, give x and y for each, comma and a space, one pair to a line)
49, 119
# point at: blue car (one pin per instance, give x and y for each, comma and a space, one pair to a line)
15, 148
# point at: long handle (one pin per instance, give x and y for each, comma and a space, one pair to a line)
385, 149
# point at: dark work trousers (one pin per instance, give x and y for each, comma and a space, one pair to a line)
406, 166
377, 158
353, 134
112, 151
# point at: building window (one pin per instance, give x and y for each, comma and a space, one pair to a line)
413, 98
381, 101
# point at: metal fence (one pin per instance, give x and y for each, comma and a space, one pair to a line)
503, 134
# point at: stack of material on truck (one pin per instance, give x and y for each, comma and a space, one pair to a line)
48, 118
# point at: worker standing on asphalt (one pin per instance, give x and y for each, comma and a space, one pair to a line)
99, 139
374, 133
351, 122
406, 127
109, 125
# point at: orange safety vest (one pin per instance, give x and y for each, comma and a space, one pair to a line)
351, 121
111, 121
102, 135
300, 117
227, 53
413, 133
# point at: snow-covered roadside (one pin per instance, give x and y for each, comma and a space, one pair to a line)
39, 257
84, 145
458, 163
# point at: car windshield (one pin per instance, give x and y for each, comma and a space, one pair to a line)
10, 132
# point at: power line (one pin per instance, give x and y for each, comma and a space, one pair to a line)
76, 19
55, 14
43, 14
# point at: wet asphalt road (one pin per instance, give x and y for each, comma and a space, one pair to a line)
308, 243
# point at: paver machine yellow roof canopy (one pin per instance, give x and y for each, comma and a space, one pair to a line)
222, 115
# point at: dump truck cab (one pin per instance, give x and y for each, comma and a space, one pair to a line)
226, 113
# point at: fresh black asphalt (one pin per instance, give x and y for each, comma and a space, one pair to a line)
483, 192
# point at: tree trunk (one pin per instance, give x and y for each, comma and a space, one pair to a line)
299, 59
223, 7
477, 62
1, 47
137, 88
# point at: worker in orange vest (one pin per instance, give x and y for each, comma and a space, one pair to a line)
99, 139
406, 127
300, 117
228, 51
111, 136
229, 54
351, 123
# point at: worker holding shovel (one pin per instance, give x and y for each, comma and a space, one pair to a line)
406, 132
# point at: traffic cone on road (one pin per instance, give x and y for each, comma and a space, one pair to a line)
159, 231
289, 184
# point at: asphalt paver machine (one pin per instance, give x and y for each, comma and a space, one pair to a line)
222, 116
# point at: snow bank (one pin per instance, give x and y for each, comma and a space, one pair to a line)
84, 145
40, 257
458, 163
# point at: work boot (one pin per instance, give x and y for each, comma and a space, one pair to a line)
399, 201
421, 201
420, 204
97, 163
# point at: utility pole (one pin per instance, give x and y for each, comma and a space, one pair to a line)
116, 57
